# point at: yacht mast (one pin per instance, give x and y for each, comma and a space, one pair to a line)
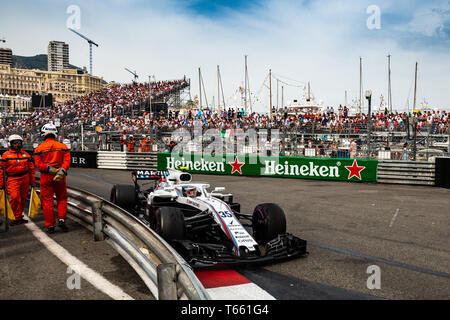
247, 90
389, 85
415, 89
270, 92
200, 87
360, 85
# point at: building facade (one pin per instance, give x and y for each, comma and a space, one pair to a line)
14, 104
58, 55
6, 56
64, 85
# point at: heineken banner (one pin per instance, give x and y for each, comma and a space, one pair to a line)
355, 170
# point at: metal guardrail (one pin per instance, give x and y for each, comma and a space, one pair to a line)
127, 160
167, 275
406, 172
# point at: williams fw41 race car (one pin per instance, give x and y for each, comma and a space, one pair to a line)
207, 227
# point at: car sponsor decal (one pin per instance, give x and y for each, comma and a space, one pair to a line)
224, 226
179, 192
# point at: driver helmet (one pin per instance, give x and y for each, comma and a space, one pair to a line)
189, 191
14, 139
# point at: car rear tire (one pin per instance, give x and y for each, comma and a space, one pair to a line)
269, 220
123, 195
169, 223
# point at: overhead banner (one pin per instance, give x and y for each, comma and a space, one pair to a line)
337, 169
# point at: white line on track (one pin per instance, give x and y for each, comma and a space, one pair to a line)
394, 217
88, 274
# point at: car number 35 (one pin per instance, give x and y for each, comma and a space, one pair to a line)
225, 214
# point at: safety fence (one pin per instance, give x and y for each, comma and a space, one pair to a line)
167, 275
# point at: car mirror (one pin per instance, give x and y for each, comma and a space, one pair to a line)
219, 189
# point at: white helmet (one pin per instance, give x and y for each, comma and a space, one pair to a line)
49, 128
14, 137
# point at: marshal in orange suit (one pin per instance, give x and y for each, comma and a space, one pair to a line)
52, 159
20, 171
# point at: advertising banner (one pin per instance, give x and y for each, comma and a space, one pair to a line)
337, 169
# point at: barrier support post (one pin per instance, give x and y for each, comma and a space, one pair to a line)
167, 289
97, 220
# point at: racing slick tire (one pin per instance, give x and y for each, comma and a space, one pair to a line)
169, 223
269, 220
123, 195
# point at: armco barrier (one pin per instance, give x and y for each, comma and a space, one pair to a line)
126, 160
406, 172
146, 252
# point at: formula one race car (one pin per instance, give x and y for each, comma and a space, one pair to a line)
207, 228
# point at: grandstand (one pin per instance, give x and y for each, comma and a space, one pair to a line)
101, 120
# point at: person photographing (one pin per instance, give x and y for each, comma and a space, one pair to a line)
52, 159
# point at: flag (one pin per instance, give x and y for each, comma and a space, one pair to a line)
227, 133
35, 204
3, 199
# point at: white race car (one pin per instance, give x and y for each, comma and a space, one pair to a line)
207, 227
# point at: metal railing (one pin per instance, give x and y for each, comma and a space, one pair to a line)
163, 270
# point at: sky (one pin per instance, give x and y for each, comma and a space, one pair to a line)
301, 41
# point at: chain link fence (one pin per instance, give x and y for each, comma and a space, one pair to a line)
305, 141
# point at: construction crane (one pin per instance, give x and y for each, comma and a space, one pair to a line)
133, 73
90, 48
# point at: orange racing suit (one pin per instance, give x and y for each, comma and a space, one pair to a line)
52, 153
20, 171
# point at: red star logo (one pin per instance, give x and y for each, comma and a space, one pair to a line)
354, 170
236, 165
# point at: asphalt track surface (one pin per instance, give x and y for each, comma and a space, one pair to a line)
403, 230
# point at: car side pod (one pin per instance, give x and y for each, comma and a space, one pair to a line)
286, 246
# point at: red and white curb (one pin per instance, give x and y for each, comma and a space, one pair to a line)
230, 285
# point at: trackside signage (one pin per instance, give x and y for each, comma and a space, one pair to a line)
357, 170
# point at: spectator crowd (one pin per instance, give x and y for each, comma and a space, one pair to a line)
109, 110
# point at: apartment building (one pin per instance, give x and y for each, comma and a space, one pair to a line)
58, 55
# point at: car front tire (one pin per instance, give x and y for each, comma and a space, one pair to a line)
269, 220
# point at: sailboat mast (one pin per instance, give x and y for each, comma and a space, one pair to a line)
218, 87
389, 84
309, 92
415, 89
245, 85
360, 85
200, 87
221, 88
248, 87
270, 92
